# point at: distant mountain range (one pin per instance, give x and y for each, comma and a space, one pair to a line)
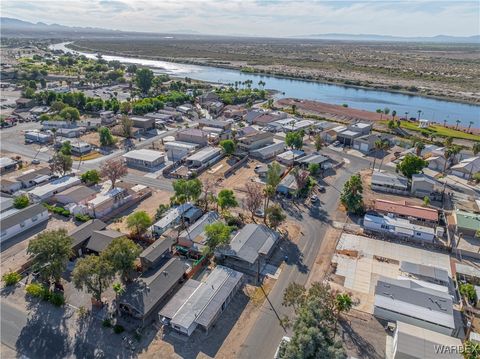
387, 38
11, 27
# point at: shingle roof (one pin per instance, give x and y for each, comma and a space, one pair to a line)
101, 239
77, 193
146, 292
251, 241
157, 249
20, 215
85, 231
405, 209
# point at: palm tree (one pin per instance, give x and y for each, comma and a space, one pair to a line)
378, 146
447, 154
406, 115
294, 109
419, 147
470, 125
444, 123
458, 122
384, 146
343, 304
394, 113
119, 289
419, 113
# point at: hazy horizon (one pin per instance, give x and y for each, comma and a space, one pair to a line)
258, 18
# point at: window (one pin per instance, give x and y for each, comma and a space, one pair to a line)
22, 224
34, 218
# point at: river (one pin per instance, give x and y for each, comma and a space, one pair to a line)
365, 99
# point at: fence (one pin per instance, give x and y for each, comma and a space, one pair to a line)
236, 166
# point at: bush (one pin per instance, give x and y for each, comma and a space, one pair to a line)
107, 323
21, 201
82, 217
233, 221
37, 290
58, 210
118, 329
468, 290
57, 299
11, 278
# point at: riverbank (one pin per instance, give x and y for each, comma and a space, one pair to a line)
412, 87
349, 115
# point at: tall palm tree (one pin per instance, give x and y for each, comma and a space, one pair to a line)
476, 148
119, 289
458, 122
377, 145
447, 154
419, 113
384, 146
470, 125
394, 113
343, 304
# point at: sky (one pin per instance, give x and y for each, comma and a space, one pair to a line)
275, 18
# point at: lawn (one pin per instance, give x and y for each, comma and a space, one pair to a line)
439, 131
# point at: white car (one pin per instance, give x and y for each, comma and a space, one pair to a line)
277, 352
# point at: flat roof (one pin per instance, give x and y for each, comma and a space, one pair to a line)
468, 270
5, 161
172, 215
180, 144
204, 154
389, 179
289, 155
349, 133
409, 298
432, 272
157, 249
401, 225
313, 158
467, 220
196, 232
64, 182
416, 342
144, 155
77, 193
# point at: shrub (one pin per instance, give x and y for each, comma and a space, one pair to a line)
37, 290
21, 201
57, 299
233, 221
468, 290
107, 323
82, 217
11, 278
118, 329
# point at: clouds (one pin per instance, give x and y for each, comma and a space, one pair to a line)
258, 18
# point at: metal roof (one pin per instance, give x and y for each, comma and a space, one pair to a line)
147, 291
250, 242
389, 179
401, 225
313, 158
33, 174
144, 155
196, 232
467, 220
204, 154
56, 185
416, 342
425, 271
77, 193
18, 216
85, 231
467, 270
172, 215
411, 299
291, 154
405, 209
5, 161
180, 144
174, 304
206, 301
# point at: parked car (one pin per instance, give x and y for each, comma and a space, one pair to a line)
336, 144
314, 198
259, 213
35, 162
321, 189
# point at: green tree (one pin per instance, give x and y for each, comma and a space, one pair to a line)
318, 142
314, 169
122, 252
119, 289
94, 274
138, 222
274, 177
127, 125
411, 165
228, 146
275, 216
419, 147
448, 141
343, 304
294, 296
90, 177
162, 208
294, 140
426, 201
66, 148
106, 138
351, 196
313, 330
44, 117
57, 106
476, 148
61, 163
21, 201
51, 251
143, 79
226, 199
217, 233
187, 190
70, 114
468, 291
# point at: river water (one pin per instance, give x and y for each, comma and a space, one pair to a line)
365, 99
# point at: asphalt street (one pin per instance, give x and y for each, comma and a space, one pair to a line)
267, 332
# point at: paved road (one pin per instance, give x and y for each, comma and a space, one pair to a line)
266, 333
